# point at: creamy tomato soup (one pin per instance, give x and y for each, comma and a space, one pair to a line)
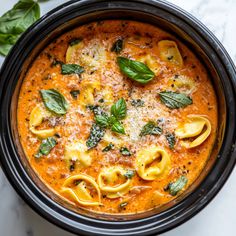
117, 116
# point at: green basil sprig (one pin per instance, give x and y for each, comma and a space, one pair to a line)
123, 205
54, 101
15, 21
68, 69
177, 186
135, 70
175, 100
119, 109
151, 128
118, 112
46, 146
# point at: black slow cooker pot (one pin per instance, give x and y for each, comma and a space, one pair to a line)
168, 17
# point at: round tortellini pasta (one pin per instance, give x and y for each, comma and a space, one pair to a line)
87, 91
113, 183
77, 152
78, 187
152, 163
36, 118
182, 83
151, 62
111, 137
90, 55
198, 127
169, 52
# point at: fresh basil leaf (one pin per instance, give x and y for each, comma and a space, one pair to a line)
46, 146
108, 147
170, 137
150, 128
15, 21
5, 48
137, 103
75, 41
68, 69
101, 120
54, 101
135, 70
125, 151
129, 174
74, 93
96, 134
178, 185
119, 109
117, 46
118, 127
175, 100
8, 38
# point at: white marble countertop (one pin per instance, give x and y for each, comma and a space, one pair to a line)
217, 219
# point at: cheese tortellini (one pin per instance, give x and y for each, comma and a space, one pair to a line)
182, 83
77, 152
36, 118
198, 127
89, 55
152, 163
169, 52
111, 137
78, 188
113, 183
87, 92
107, 94
151, 62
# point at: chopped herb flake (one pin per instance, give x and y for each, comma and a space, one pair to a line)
129, 174
74, 93
75, 41
170, 137
137, 103
46, 146
125, 151
117, 46
151, 128
177, 186
68, 69
109, 147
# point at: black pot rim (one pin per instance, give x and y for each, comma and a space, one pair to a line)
64, 218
